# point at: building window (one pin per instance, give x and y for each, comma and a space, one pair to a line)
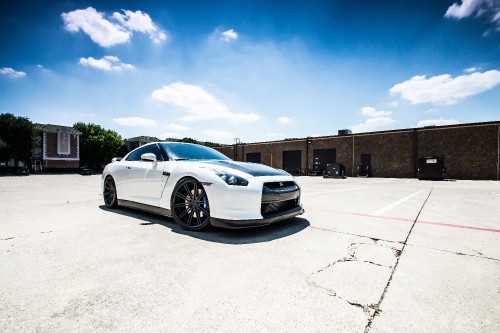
63, 138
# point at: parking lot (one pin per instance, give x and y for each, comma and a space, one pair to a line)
369, 255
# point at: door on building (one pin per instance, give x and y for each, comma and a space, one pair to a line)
292, 161
322, 157
365, 167
253, 157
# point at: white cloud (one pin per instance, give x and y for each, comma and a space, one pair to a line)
368, 111
93, 23
284, 120
470, 69
437, 122
117, 29
443, 89
489, 9
219, 134
394, 103
107, 63
177, 127
372, 124
229, 35
466, 8
12, 73
134, 121
376, 120
139, 21
199, 103
469, 7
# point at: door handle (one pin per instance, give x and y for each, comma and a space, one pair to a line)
166, 173
129, 168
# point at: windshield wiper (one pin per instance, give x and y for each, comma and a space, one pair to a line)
181, 159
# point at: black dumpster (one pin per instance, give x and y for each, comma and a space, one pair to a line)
431, 167
334, 170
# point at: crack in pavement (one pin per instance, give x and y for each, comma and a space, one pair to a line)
368, 309
39, 233
372, 310
454, 252
351, 234
377, 306
365, 307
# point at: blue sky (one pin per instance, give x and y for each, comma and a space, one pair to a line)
256, 70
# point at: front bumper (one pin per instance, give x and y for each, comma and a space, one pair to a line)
270, 218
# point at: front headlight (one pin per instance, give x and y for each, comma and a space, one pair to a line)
231, 179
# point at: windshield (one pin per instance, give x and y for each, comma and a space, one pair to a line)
185, 151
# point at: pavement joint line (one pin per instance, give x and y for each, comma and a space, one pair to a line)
382, 210
454, 252
377, 306
450, 225
351, 234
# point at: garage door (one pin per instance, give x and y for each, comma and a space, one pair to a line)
292, 161
322, 157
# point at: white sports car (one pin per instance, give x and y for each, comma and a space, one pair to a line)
199, 187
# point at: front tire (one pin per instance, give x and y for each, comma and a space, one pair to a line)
189, 205
109, 193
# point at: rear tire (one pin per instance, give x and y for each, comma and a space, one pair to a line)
189, 205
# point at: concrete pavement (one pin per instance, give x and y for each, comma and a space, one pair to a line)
356, 261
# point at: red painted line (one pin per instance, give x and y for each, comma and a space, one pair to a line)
407, 220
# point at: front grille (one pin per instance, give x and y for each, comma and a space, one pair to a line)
279, 197
274, 207
274, 185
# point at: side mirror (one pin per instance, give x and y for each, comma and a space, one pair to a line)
149, 157
116, 159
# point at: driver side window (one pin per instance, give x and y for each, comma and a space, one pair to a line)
136, 155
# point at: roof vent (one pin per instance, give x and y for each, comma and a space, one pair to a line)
345, 132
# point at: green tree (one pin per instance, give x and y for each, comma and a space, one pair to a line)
189, 140
17, 135
98, 145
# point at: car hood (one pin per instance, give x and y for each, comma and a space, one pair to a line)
251, 169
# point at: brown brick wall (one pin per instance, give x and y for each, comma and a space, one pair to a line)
470, 151
51, 145
343, 148
392, 154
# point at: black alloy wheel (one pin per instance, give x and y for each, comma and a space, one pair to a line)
189, 205
109, 193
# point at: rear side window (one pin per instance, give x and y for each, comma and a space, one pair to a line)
136, 154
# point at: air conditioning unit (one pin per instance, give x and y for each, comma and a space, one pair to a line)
345, 132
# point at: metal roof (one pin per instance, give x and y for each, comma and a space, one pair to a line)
50, 128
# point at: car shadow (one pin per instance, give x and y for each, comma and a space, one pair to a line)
219, 235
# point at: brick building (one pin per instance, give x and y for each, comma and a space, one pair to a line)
56, 147
471, 151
